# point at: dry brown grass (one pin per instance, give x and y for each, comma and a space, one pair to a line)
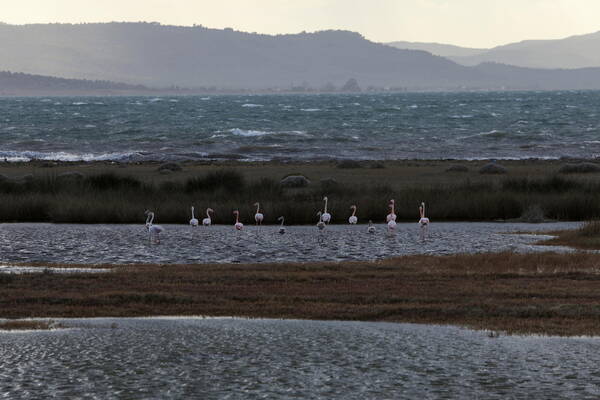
537, 293
29, 325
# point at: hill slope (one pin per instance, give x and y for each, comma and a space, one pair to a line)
582, 51
163, 56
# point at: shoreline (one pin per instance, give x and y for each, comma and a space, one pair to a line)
547, 293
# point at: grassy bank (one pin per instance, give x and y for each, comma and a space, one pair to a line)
537, 293
119, 193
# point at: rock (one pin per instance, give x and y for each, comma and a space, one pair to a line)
579, 168
69, 176
457, 168
294, 181
349, 164
173, 167
493, 168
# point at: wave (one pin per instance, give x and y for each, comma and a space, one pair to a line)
250, 105
248, 133
24, 156
310, 109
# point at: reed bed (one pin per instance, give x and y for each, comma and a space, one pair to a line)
549, 293
110, 197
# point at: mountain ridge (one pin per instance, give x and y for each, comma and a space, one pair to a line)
166, 56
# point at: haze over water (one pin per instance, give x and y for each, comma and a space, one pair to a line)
303, 127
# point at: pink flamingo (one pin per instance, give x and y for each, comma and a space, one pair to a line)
238, 225
353, 219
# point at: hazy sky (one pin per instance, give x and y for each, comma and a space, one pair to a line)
475, 23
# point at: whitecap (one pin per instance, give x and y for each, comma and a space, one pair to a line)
204, 98
248, 133
89, 126
79, 103
250, 105
310, 109
173, 100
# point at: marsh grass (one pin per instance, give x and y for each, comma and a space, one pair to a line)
517, 293
108, 197
587, 237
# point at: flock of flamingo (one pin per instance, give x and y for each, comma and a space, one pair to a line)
324, 219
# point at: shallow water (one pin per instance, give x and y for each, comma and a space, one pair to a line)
118, 244
303, 127
235, 358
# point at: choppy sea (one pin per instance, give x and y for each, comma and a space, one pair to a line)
502, 125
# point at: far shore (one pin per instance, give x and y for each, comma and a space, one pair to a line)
548, 293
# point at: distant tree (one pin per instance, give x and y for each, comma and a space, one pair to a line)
351, 86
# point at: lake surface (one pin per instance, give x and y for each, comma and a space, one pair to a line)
289, 359
303, 127
121, 244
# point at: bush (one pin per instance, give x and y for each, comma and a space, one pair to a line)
228, 180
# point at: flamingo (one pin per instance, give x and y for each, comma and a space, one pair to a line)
371, 228
320, 224
423, 222
193, 221
238, 225
353, 220
207, 221
391, 225
153, 230
281, 227
325, 217
392, 215
258, 217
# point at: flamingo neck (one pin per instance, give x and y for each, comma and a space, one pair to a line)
257, 207
353, 211
192, 212
325, 211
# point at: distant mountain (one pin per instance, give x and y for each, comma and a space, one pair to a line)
438, 49
24, 84
581, 51
193, 57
